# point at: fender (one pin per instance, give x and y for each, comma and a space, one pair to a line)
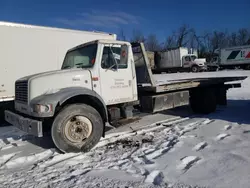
61, 96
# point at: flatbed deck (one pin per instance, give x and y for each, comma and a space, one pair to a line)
162, 79
159, 83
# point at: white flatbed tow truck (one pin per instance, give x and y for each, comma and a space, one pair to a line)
101, 82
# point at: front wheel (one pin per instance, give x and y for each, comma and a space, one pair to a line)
194, 68
77, 128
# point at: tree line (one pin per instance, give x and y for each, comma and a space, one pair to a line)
186, 36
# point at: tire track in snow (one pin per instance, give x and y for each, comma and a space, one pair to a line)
12, 141
222, 136
27, 160
114, 137
207, 121
147, 155
187, 162
200, 146
122, 152
6, 158
164, 129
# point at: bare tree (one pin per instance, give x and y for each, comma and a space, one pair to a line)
206, 42
198, 42
233, 39
243, 36
248, 41
194, 41
218, 40
121, 35
182, 35
137, 36
169, 43
152, 43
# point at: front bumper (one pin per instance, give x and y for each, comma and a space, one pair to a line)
28, 125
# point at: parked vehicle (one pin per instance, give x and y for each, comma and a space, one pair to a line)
178, 60
101, 82
27, 49
233, 57
212, 66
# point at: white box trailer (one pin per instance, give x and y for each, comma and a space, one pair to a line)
172, 58
232, 57
28, 49
178, 59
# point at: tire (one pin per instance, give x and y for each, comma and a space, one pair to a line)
203, 101
67, 124
247, 67
195, 68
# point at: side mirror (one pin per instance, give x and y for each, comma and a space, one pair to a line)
124, 55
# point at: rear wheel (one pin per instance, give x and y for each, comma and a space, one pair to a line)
247, 67
203, 100
77, 128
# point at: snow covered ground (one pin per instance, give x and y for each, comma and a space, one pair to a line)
170, 149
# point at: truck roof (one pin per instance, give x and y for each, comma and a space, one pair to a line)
103, 41
20, 25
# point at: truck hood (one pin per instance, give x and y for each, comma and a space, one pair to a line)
32, 76
52, 81
200, 61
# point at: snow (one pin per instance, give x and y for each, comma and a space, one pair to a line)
227, 127
155, 177
170, 149
222, 136
27, 160
200, 146
5, 158
186, 162
207, 121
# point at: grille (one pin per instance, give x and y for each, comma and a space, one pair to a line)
21, 91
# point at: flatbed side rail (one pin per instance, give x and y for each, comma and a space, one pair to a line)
192, 83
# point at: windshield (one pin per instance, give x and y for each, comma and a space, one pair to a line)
193, 57
80, 58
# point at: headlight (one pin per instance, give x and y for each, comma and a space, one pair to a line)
43, 108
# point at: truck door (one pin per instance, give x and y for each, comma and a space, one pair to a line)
186, 61
115, 75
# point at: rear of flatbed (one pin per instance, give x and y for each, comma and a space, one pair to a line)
202, 93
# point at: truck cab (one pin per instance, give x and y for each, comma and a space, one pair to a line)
103, 67
100, 74
191, 61
110, 69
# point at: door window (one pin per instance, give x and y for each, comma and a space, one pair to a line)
187, 58
111, 58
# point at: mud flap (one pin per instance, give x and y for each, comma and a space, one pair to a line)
221, 96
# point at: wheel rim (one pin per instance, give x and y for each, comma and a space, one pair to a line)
78, 129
